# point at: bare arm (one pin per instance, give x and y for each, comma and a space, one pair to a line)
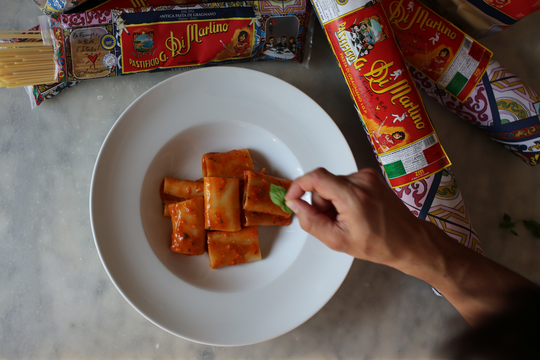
360, 215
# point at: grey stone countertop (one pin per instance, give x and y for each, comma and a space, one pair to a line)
57, 301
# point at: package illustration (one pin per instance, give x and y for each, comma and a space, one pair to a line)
481, 18
388, 106
108, 42
437, 48
438, 199
502, 106
481, 91
58, 6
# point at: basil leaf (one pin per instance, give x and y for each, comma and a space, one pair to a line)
533, 227
507, 222
277, 195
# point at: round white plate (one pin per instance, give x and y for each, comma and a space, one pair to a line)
165, 132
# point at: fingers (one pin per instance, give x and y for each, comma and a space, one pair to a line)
357, 214
331, 195
320, 181
312, 220
321, 204
366, 177
331, 192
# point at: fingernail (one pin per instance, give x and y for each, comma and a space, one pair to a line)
292, 205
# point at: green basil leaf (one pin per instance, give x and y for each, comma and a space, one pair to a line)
277, 195
533, 227
507, 222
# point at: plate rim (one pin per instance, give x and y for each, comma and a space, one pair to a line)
122, 118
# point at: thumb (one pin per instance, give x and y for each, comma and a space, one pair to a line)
312, 221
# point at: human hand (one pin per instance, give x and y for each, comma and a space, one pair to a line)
357, 214
360, 215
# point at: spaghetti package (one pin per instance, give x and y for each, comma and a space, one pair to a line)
460, 73
393, 115
481, 18
108, 42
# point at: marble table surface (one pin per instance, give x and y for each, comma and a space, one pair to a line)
57, 302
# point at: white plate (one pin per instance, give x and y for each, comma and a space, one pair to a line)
165, 133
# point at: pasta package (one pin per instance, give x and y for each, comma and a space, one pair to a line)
461, 74
389, 104
481, 18
502, 106
109, 41
437, 48
386, 100
438, 199
58, 6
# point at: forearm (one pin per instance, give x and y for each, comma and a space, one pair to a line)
359, 215
476, 286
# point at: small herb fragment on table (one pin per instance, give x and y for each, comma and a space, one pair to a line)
277, 195
508, 224
533, 227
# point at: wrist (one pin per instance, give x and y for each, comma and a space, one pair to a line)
476, 286
426, 255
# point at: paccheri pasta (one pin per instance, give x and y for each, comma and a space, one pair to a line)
222, 211
256, 196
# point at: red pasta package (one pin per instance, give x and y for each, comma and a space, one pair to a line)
111, 40
481, 18
460, 74
393, 115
